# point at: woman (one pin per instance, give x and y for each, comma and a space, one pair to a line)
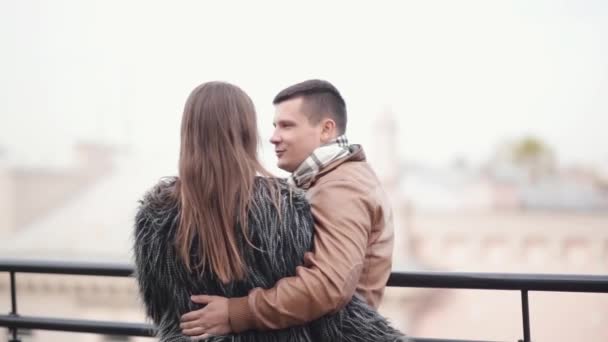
224, 227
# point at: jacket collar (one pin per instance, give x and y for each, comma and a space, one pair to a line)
356, 155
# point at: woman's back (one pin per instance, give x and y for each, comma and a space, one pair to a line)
165, 282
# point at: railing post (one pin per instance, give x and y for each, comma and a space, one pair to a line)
13, 330
525, 312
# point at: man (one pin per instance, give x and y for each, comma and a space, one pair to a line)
353, 241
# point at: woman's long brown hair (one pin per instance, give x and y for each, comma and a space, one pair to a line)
218, 163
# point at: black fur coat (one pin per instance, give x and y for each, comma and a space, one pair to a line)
165, 284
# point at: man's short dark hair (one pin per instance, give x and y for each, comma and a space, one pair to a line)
321, 99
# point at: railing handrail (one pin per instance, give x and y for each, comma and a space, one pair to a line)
66, 267
501, 281
452, 280
78, 325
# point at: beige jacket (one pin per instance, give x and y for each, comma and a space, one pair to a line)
353, 247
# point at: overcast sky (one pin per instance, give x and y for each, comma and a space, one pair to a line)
460, 76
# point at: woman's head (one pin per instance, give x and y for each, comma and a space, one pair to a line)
219, 118
217, 166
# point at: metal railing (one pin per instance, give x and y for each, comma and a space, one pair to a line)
523, 283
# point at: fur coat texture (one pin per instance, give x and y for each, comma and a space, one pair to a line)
281, 239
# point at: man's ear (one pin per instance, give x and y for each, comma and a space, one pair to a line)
328, 130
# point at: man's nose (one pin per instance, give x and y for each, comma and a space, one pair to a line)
275, 138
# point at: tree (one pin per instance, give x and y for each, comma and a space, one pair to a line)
534, 156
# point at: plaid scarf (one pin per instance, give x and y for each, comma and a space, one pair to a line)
324, 155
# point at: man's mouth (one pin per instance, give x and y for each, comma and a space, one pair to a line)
279, 153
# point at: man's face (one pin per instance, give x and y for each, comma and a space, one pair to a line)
294, 137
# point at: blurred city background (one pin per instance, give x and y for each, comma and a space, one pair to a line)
485, 120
